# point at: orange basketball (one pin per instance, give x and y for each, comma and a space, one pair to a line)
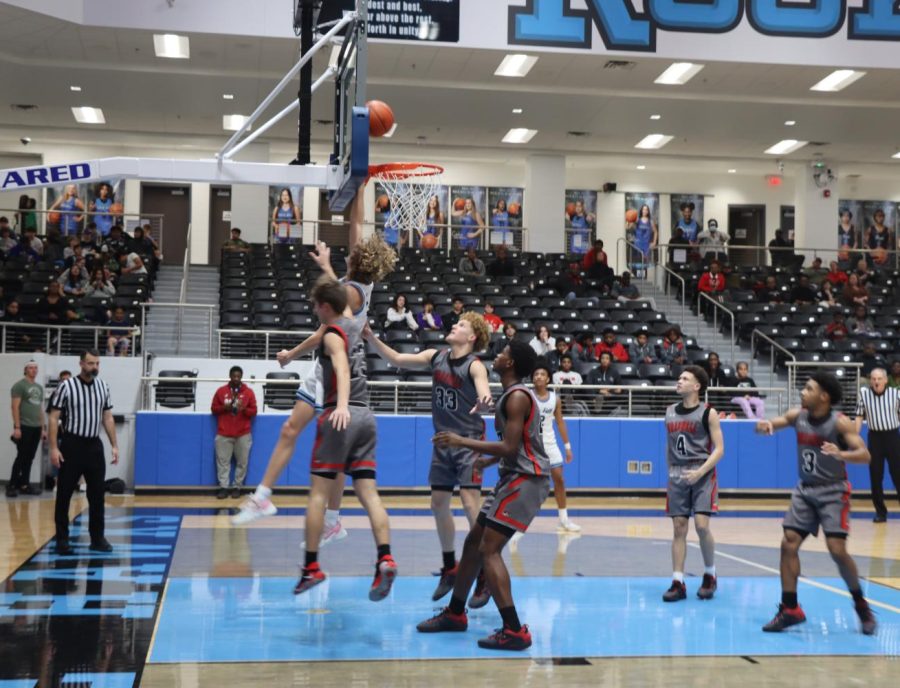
515, 209
381, 118
429, 241
570, 209
459, 204
631, 215
116, 209
382, 203
53, 218
880, 256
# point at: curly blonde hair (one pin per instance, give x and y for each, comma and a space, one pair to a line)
480, 328
371, 261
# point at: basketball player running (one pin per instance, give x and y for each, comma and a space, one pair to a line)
826, 441
523, 486
345, 438
459, 391
694, 447
550, 406
367, 263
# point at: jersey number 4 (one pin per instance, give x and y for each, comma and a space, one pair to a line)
681, 445
446, 399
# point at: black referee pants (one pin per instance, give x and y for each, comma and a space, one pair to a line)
883, 445
26, 446
81, 456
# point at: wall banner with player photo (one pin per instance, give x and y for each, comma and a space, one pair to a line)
581, 219
867, 225
429, 236
467, 215
73, 207
286, 214
641, 228
504, 214
687, 213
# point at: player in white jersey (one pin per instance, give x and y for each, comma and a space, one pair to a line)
367, 262
550, 406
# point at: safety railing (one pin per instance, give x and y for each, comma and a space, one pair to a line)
65, 340
400, 397
773, 345
670, 275
785, 255
177, 309
257, 344
183, 289
848, 374
716, 307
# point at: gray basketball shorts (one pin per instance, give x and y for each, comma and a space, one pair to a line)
351, 450
516, 500
683, 499
820, 505
452, 466
310, 390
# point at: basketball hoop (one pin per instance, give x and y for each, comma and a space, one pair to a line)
409, 186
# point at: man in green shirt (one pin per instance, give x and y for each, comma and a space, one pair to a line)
29, 427
235, 243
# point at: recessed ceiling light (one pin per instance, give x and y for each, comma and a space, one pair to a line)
655, 117
88, 115
896, 156
390, 132
516, 65
76, 89
172, 46
790, 123
838, 80
653, 141
732, 171
642, 167
517, 111
233, 122
228, 96
519, 135
679, 73
785, 147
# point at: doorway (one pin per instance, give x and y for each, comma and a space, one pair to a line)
331, 229
746, 227
219, 221
174, 203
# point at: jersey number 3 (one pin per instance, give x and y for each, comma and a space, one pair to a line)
446, 399
809, 461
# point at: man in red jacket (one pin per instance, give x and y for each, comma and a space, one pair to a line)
234, 405
712, 283
609, 344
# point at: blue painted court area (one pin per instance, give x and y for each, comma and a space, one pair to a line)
258, 620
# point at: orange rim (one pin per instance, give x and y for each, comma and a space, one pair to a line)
404, 170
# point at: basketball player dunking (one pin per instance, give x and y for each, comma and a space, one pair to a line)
826, 442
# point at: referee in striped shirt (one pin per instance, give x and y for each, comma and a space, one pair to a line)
85, 401
880, 406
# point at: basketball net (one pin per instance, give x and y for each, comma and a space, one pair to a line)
409, 187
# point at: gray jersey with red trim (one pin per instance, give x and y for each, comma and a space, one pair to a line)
453, 395
687, 433
531, 457
350, 330
816, 467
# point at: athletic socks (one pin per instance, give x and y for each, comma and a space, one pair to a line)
311, 558
332, 516
678, 576
383, 551
510, 619
563, 515
262, 493
457, 606
449, 559
710, 571
789, 599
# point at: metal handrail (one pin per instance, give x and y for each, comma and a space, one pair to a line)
668, 271
815, 250
182, 293
208, 307
134, 331
268, 335
794, 366
773, 344
704, 295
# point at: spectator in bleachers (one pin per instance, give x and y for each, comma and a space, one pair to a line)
610, 344
566, 375
864, 273
625, 290
17, 339
542, 343
717, 376
570, 283
235, 244
554, 358
713, 243
835, 275
712, 282
29, 246
428, 318
815, 271
837, 329
451, 318
803, 293
89, 240
118, 337
673, 349
605, 374
130, 263
641, 350
750, 403
76, 257
399, 317
855, 294
72, 243
7, 240
770, 293
471, 265
99, 286
502, 265
826, 296
595, 259
583, 350
148, 235
780, 250
870, 359
860, 324
74, 281
509, 333
53, 309
894, 377
4, 224
146, 247
26, 217
494, 321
